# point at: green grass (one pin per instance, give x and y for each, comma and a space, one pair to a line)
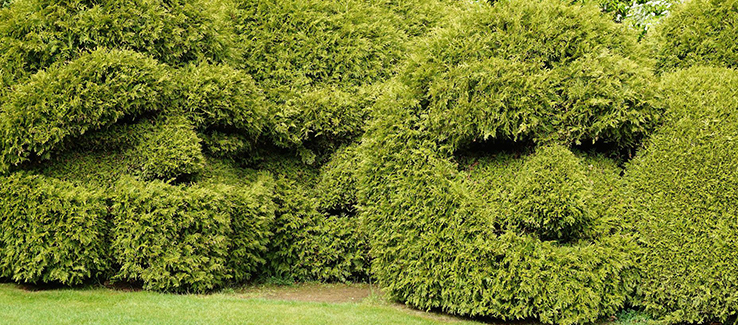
106, 306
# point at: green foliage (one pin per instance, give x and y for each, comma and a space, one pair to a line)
315, 60
699, 32
52, 231
68, 100
551, 196
540, 70
682, 198
336, 188
188, 239
38, 33
219, 96
172, 150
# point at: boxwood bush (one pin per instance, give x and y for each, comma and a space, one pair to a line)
699, 32
682, 200
52, 231
184, 239
70, 99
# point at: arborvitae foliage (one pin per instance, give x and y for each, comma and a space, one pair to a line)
171, 151
533, 70
682, 200
551, 196
222, 98
34, 34
70, 99
699, 32
180, 239
315, 59
437, 242
514, 71
52, 231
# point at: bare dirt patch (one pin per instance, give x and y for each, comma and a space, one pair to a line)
313, 292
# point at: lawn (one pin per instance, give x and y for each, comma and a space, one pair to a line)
100, 305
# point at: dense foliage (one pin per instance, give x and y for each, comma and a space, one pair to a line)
52, 231
467, 155
682, 200
533, 71
699, 32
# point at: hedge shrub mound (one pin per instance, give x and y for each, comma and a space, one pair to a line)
551, 196
35, 34
222, 97
171, 151
683, 200
543, 74
317, 53
699, 32
52, 231
68, 100
536, 71
186, 239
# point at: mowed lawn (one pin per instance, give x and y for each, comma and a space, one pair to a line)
107, 306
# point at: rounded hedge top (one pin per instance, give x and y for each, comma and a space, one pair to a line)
699, 32
533, 70
682, 200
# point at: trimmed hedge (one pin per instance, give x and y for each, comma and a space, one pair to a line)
171, 151
699, 32
551, 196
52, 231
219, 96
189, 239
682, 196
543, 73
68, 100
316, 61
35, 34
533, 70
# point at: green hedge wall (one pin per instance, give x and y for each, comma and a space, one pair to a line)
682, 200
533, 70
35, 34
188, 239
70, 99
52, 231
698, 32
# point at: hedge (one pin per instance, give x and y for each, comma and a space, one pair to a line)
542, 74
35, 34
70, 99
701, 32
52, 231
540, 70
682, 196
193, 239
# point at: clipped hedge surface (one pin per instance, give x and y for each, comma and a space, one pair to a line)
179, 239
699, 32
35, 34
682, 200
52, 231
70, 99
533, 70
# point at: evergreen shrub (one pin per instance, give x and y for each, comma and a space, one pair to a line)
71, 99
543, 73
35, 34
52, 231
682, 196
699, 32
189, 239
540, 71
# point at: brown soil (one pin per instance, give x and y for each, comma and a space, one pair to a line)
313, 292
